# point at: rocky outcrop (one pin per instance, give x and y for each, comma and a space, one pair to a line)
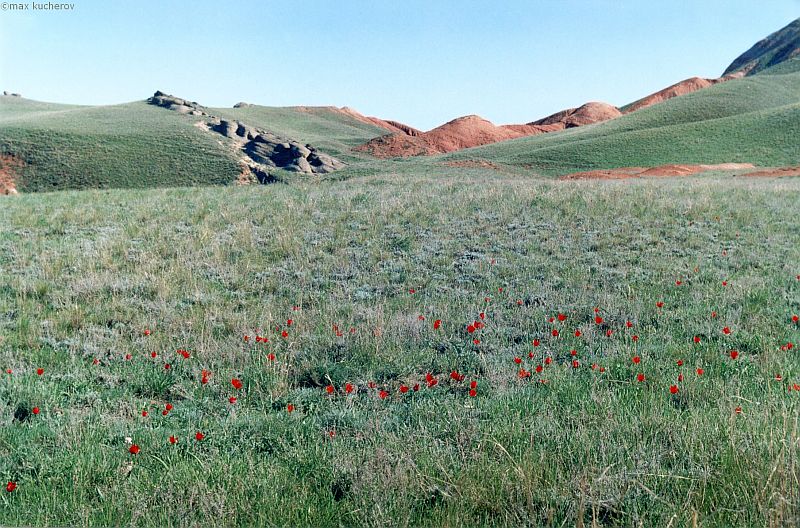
182, 106
778, 47
262, 151
11, 94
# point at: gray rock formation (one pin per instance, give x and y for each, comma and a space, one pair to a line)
264, 149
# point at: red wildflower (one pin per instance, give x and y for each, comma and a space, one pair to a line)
628, 324
548, 360
144, 413
530, 355
517, 360
536, 342
437, 323
167, 366
147, 331
539, 369
172, 440
734, 354
795, 318
383, 394
635, 337
348, 388
724, 283
523, 373
660, 304
738, 410
679, 362
673, 389
199, 436
40, 371
237, 383
168, 407
609, 332
482, 315
598, 320
726, 331
554, 332
680, 377
473, 392
575, 363
470, 329
134, 449
289, 322
403, 389
246, 339
778, 377
640, 377
329, 389
284, 334
456, 376
232, 400
35, 410
577, 333
678, 283
573, 352
11, 486
696, 339
473, 384
700, 372
153, 354
412, 291
637, 359
476, 341
271, 356
416, 387
562, 317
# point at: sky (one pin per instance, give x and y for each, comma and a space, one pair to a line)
421, 62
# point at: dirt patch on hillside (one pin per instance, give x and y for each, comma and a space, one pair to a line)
661, 171
10, 167
588, 114
780, 172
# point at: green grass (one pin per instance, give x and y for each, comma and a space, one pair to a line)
755, 119
137, 145
327, 129
82, 274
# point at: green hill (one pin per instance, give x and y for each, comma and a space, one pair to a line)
139, 145
755, 119
776, 48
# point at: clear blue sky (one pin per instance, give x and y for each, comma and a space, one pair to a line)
422, 62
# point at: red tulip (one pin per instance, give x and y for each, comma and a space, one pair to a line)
35, 410
237, 383
232, 400
11, 486
517, 360
168, 407
437, 323
144, 414
598, 320
562, 317
637, 359
289, 408
726, 331
700, 372
734, 354
554, 332
473, 393
673, 389
660, 304
536, 342
172, 440
403, 389
696, 339
134, 449
640, 377
348, 388
383, 394
40, 371
330, 389
628, 324
577, 333
199, 436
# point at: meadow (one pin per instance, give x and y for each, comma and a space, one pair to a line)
432, 346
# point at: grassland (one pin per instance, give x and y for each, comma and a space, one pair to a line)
84, 274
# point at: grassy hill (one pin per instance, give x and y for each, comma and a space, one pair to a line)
769, 51
755, 119
326, 128
138, 145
